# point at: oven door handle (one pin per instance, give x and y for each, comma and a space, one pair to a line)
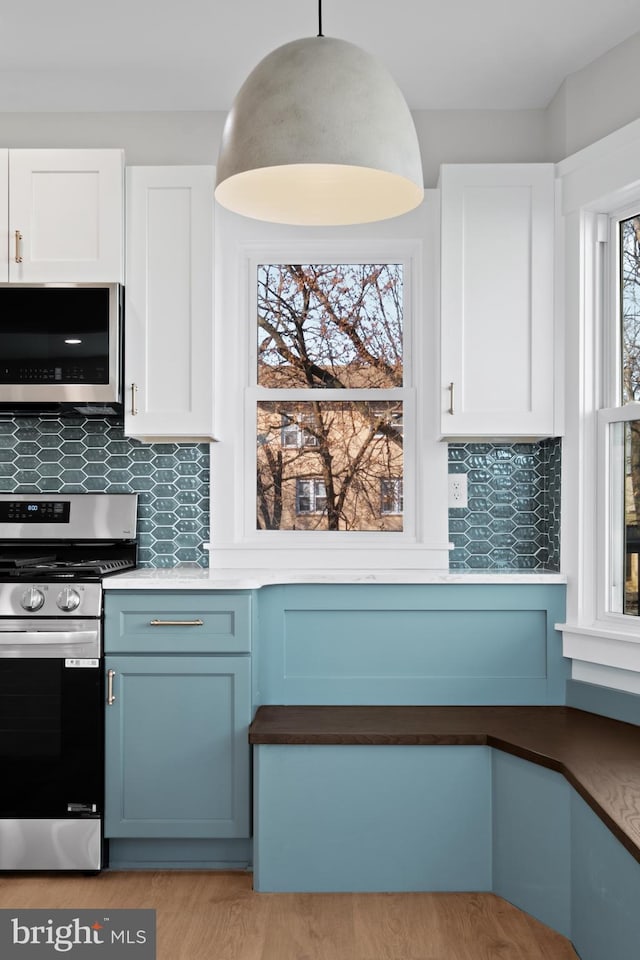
31, 637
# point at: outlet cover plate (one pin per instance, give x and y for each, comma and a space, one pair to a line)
457, 491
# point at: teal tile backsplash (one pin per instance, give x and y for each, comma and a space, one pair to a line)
79, 455
512, 518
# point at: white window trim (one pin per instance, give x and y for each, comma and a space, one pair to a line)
598, 183
241, 244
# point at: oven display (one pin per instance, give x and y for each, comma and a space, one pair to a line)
36, 511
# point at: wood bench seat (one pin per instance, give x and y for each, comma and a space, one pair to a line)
598, 756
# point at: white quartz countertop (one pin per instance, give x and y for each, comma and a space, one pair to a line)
195, 578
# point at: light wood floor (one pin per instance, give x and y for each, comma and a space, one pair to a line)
217, 916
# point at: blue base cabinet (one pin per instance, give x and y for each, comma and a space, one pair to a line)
177, 753
372, 818
605, 890
177, 760
451, 643
532, 839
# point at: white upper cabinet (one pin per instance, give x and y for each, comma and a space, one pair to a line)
497, 300
169, 303
62, 216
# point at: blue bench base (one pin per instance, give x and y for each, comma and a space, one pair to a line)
436, 818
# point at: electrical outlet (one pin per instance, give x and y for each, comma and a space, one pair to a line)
458, 490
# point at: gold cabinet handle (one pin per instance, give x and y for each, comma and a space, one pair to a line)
18, 237
451, 398
134, 398
176, 623
110, 695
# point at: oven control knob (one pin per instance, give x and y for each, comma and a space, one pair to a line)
68, 599
32, 599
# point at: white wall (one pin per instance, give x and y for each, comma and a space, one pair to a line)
480, 136
590, 104
147, 138
446, 136
595, 101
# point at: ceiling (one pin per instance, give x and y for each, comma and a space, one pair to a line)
194, 54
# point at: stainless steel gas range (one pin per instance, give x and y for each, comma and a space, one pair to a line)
55, 550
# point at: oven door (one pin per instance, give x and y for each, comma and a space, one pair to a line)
51, 719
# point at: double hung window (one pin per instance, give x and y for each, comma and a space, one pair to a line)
326, 380
619, 421
600, 203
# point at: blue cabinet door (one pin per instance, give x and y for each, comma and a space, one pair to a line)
177, 753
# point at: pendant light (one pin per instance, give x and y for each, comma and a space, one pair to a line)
319, 134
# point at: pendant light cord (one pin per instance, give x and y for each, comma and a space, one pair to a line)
320, 33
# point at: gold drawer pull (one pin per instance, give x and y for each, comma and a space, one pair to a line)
176, 623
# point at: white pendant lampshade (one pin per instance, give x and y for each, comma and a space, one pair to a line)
319, 133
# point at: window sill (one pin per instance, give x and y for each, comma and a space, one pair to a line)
602, 644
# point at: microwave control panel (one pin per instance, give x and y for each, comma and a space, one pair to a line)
87, 372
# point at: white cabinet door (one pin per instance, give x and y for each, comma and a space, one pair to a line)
65, 216
497, 301
169, 302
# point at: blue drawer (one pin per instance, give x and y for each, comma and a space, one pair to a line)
179, 622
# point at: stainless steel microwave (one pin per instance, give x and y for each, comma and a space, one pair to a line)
61, 348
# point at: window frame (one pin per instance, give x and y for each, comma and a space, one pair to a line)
406, 395
255, 393
612, 411
240, 246
595, 185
